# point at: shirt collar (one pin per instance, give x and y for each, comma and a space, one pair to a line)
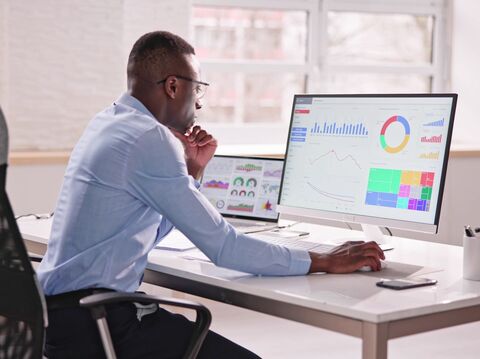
130, 101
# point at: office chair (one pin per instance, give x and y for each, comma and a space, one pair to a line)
3, 149
22, 307
23, 314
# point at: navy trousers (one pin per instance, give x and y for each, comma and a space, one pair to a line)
72, 333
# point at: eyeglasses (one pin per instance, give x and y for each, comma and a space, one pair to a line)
200, 88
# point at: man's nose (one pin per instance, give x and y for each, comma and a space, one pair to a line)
198, 104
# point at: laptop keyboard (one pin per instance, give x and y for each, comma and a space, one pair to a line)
246, 225
252, 227
297, 244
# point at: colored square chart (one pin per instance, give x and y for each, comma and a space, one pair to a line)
402, 189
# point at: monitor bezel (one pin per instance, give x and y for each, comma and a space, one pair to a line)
318, 215
252, 218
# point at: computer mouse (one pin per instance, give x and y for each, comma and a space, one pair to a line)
368, 269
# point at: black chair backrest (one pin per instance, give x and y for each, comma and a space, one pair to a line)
22, 304
3, 149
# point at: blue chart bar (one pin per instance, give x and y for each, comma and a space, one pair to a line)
337, 129
298, 134
299, 129
439, 123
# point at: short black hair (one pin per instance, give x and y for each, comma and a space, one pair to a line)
158, 54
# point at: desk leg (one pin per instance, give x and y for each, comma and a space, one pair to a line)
375, 340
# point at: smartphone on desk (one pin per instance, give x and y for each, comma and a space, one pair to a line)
406, 283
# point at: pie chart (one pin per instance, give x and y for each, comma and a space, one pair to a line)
406, 136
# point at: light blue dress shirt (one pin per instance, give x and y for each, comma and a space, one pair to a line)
125, 187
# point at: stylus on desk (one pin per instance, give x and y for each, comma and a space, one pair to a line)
295, 233
260, 230
287, 225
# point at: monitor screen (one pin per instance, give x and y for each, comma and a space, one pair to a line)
374, 159
244, 187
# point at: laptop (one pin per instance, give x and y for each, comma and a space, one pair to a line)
244, 190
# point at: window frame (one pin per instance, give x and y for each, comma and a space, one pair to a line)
316, 62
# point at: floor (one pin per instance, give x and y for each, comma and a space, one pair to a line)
275, 338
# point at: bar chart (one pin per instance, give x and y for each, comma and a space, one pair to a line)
438, 123
339, 129
432, 139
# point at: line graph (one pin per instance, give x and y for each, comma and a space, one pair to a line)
337, 157
335, 196
273, 173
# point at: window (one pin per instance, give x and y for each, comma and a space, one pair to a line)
257, 54
255, 58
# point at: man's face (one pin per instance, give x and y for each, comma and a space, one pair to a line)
183, 112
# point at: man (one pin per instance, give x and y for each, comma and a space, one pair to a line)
132, 178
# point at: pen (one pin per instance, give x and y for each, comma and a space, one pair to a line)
287, 225
469, 232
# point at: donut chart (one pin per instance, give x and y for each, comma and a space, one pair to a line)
406, 126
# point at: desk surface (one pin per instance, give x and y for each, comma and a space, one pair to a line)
354, 295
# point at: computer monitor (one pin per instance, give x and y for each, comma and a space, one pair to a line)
243, 187
370, 159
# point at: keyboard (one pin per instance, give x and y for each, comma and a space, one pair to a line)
299, 244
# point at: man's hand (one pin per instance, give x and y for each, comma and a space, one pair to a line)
199, 148
347, 258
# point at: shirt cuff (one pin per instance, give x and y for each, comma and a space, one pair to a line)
300, 262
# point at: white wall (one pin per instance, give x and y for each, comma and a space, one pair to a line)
141, 16
3, 50
466, 69
34, 188
68, 59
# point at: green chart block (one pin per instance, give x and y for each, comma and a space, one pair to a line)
427, 193
384, 180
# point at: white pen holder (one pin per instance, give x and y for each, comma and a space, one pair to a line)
471, 258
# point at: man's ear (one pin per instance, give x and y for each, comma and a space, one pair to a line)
171, 87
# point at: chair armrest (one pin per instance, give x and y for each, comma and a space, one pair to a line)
96, 302
35, 257
116, 297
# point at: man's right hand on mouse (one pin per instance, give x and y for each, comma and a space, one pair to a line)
348, 257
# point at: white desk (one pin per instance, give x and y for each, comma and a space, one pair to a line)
349, 304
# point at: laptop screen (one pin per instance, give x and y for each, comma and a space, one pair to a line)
243, 187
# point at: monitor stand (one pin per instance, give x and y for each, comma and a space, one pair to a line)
373, 233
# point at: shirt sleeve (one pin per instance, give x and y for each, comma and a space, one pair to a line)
157, 175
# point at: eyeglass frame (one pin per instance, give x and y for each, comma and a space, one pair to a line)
206, 84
